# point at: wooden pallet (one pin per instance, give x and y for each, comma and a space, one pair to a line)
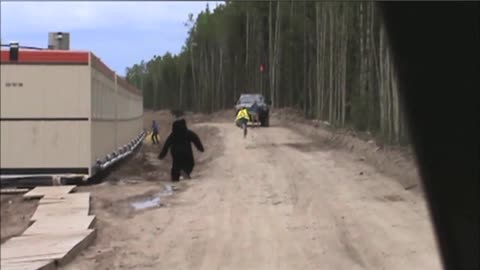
49, 191
67, 224
62, 227
66, 206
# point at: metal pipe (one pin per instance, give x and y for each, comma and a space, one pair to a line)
42, 180
112, 159
16, 176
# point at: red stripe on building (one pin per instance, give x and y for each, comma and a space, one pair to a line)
66, 57
132, 89
100, 66
47, 57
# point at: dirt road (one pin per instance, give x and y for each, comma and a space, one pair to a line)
275, 200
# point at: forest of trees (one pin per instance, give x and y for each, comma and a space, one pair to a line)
331, 60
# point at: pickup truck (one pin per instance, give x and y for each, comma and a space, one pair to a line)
247, 100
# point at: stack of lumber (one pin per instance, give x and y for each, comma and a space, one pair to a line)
61, 228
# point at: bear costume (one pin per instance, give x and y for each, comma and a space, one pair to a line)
179, 142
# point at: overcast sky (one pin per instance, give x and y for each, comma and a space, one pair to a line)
120, 33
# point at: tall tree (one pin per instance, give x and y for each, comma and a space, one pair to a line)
329, 59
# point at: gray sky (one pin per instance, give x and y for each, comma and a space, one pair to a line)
120, 33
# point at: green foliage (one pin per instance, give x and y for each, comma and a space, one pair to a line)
326, 59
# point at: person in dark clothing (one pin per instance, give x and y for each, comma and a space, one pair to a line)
179, 142
254, 111
155, 131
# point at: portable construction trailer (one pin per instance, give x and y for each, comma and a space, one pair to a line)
64, 114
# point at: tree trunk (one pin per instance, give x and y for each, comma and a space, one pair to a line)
318, 65
330, 73
247, 79
211, 86
195, 97
205, 80
381, 85
275, 64
395, 101
220, 74
155, 87
388, 99
324, 65
361, 59
270, 50
311, 82
344, 63
180, 99
305, 64
235, 80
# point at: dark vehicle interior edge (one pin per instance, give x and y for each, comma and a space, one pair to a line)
436, 50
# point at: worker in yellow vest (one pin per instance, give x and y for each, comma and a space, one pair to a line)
243, 117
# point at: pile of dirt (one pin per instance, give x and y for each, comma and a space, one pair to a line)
135, 167
210, 137
223, 116
145, 165
393, 160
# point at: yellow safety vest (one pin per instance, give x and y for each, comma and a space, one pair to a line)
243, 114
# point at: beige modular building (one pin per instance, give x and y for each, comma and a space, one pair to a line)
64, 114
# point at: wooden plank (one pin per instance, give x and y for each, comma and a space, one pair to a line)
33, 265
67, 199
77, 248
53, 225
50, 191
13, 190
58, 247
60, 231
54, 211
66, 206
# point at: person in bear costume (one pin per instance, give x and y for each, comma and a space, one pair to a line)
179, 142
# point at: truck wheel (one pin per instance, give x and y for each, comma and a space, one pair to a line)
265, 121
